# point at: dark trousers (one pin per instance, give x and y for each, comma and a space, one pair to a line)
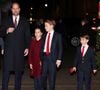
83, 77
37, 83
5, 80
48, 72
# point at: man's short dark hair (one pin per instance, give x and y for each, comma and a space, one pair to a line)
15, 3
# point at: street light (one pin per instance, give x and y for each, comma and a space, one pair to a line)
46, 5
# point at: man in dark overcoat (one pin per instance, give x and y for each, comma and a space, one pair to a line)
16, 32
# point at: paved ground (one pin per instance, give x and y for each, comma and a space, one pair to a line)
65, 81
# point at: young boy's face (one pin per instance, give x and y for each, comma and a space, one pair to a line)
48, 27
38, 33
83, 41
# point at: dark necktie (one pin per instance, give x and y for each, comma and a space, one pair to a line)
15, 22
48, 44
82, 51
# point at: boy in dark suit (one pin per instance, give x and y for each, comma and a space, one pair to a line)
51, 55
84, 63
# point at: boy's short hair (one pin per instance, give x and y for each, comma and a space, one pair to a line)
50, 21
86, 36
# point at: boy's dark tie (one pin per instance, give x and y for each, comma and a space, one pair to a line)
82, 51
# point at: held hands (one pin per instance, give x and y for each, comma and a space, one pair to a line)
10, 30
26, 51
58, 63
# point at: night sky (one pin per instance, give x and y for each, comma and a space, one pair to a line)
58, 8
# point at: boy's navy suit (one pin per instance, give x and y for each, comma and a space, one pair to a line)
49, 61
84, 65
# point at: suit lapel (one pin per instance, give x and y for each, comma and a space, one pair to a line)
19, 23
86, 52
80, 51
11, 21
44, 39
53, 38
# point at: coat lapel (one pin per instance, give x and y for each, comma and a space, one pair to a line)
11, 21
19, 23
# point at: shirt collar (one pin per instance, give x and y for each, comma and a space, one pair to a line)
51, 32
15, 16
85, 45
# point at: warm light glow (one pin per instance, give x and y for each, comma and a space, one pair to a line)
31, 8
93, 28
31, 19
46, 5
98, 27
99, 10
94, 19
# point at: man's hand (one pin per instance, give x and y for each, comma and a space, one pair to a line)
31, 67
74, 69
58, 63
94, 71
10, 30
26, 51
2, 51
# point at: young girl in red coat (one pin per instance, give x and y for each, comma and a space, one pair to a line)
34, 58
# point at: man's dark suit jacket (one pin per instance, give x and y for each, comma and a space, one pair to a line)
15, 43
56, 47
89, 60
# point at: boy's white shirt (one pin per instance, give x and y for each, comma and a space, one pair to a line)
85, 48
51, 37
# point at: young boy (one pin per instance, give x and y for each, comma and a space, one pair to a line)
84, 63
51, 54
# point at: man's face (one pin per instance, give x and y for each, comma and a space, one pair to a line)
48, 27
15, 9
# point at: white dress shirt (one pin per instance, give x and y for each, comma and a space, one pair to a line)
17, 19
51, 36
85, 49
